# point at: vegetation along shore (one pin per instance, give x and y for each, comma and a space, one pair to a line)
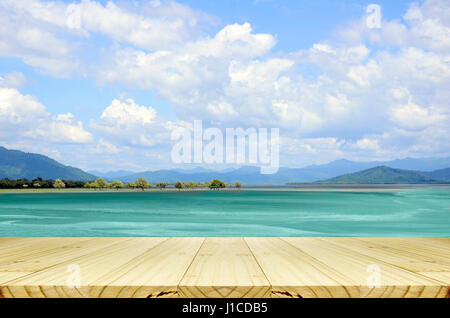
101, 184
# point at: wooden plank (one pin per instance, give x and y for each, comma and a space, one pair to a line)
65, 250
413, 245
28, 245
439, 242
405, 259
13, 240
374, 277
224, 267
293, 273
443, 277
55, 281
8, 276
155, 273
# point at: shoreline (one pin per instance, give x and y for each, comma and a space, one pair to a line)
309, 188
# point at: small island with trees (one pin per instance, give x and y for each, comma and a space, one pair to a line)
100, 184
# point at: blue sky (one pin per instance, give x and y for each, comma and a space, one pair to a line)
100, 84
296, 25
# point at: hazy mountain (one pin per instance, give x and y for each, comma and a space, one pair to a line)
384, 175
342, 166
441, 174
420, 164
16, 164
251, 175
194, 170
111, 174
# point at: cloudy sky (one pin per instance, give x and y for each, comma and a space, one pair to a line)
101, 84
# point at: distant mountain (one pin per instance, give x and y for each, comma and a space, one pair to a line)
384, 175
342, 166
441, 174
420, 164
111, 174
192, 171
246, 174
16, 164
251, 175
170, 176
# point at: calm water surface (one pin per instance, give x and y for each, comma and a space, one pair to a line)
412, 212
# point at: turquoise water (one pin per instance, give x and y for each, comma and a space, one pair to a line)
413, 212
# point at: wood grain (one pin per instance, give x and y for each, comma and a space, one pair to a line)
373, 276
406, 259
294, 273
153, 274
224, 267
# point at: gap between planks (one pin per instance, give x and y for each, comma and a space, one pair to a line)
228, 267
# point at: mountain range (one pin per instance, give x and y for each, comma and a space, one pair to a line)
251, 175
387, 175
16, 164
109, 175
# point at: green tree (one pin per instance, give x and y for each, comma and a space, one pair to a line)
238, 185
36, 185
95, 185
141, 183
162, 185
192, 184
179, 185
203, 184
117, 184
216, 184
59, 184
101, 183
131, 185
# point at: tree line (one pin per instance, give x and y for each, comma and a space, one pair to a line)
37, 183
101, 183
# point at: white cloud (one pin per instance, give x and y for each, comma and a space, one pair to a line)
62, 128
105, 147
367, 92
13, 80
414, 117
126, 124
149, 26
364, 74
175, 72
257, 74
192, 76
17, 109
23, 116
156, 26
36, 46
358, 92
128, 113
367, 144
425, 26
222, 110
49, 35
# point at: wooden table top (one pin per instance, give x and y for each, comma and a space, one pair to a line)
225, 267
